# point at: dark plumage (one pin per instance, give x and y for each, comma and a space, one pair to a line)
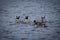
37, 23
26, 17
26, 20
43, 21
17, 17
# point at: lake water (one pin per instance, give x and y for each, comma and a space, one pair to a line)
10, 30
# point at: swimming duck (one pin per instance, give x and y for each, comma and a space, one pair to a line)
36, 23
43, 21
17, 19
26, 20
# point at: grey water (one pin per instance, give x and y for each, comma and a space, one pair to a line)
35, 9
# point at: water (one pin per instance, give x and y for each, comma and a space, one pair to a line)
10, 30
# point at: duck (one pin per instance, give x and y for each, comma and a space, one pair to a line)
17, 19
43, 21
36, 23
26, 19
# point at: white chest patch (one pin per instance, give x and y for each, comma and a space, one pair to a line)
26, 21
36, 25
17, 20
